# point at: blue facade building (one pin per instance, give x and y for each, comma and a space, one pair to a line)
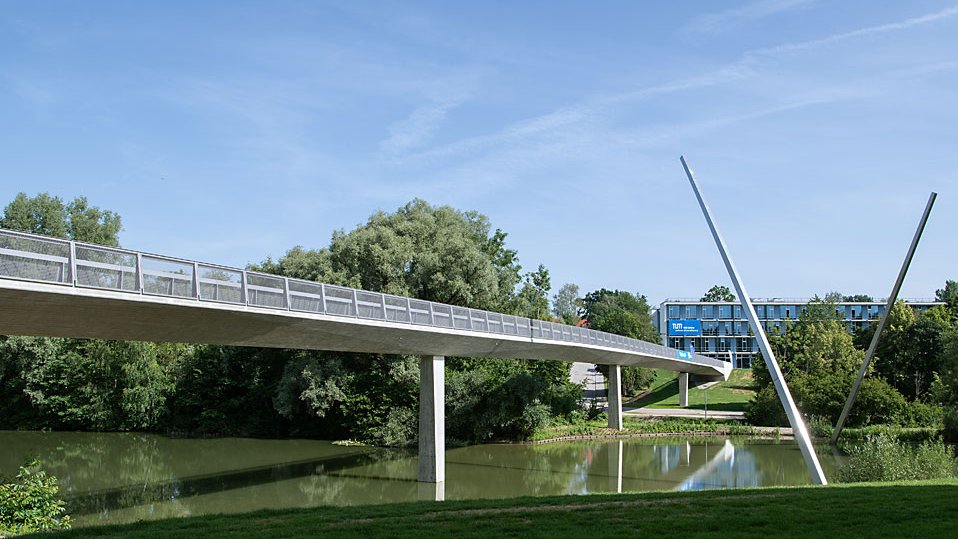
720, 329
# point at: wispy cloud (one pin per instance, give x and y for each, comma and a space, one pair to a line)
854, 34
716, 23
417, 129
575, 117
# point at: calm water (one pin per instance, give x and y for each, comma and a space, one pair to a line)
119, 477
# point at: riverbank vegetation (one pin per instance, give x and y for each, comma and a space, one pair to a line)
29, 502
912, 383
909, 509
636, 426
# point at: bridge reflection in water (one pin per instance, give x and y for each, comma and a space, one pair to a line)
118, 477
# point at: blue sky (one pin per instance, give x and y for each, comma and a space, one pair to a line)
230, 131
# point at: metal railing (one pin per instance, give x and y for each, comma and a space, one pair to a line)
29, 257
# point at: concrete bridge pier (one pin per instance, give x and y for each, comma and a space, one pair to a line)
432, 420
614, 411
683, 389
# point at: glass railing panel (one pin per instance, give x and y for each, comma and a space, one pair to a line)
167, 277
220, 284
442, 315
370, 305
420, 312
34, 259
265, 290
101, 267
306, 296
339, 300
397, 309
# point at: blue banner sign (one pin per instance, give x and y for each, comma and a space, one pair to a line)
690, 328
683, 354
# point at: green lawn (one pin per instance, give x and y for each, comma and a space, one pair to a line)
730, 395
925, 509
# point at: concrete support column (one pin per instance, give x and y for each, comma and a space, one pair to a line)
615, 397
683, 389
432, 419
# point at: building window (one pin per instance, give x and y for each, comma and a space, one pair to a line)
744, 345
689, 312
723, 345
770, 312
677, 343
725, 311
710, 328
708, 311
674, 311
737, 311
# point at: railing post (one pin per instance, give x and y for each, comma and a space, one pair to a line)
244, 295
73, 263
139, 272
196, 280
289, 304
355, 303
382, 299
432, 314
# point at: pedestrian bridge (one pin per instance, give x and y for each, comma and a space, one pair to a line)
59, 288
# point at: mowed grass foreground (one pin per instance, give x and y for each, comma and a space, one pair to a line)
915, 509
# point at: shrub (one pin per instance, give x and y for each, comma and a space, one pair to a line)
883, 458
765, 409
920, 414
29, 503
950, 424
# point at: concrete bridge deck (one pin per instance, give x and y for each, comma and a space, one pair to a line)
59, 288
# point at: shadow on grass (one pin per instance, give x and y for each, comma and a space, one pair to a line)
658, 394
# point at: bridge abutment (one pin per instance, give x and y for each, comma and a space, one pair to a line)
432, 419
615, 397
683, 389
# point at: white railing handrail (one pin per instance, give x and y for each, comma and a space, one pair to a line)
275, 292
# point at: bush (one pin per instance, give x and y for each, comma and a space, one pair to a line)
950, 424
920, 414
29, 503
765, 409
883, 458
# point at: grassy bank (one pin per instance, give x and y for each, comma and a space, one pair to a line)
923, 509
730, 395
634, 426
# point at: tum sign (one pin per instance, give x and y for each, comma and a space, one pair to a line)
691, 328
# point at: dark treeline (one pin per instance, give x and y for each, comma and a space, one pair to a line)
434, 253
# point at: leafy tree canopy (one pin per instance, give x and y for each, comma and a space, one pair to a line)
429, 252
619, 312
718, 293
50, 216
567, 304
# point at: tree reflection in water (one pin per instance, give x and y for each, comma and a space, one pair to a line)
110, 477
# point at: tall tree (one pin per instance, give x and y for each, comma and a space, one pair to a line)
48, 215
718, 293
619, 312
433, 253
627, 314
532, 300
567, 305
949, 295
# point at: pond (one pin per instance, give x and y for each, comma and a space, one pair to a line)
122, 477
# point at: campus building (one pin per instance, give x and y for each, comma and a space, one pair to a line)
720, 329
